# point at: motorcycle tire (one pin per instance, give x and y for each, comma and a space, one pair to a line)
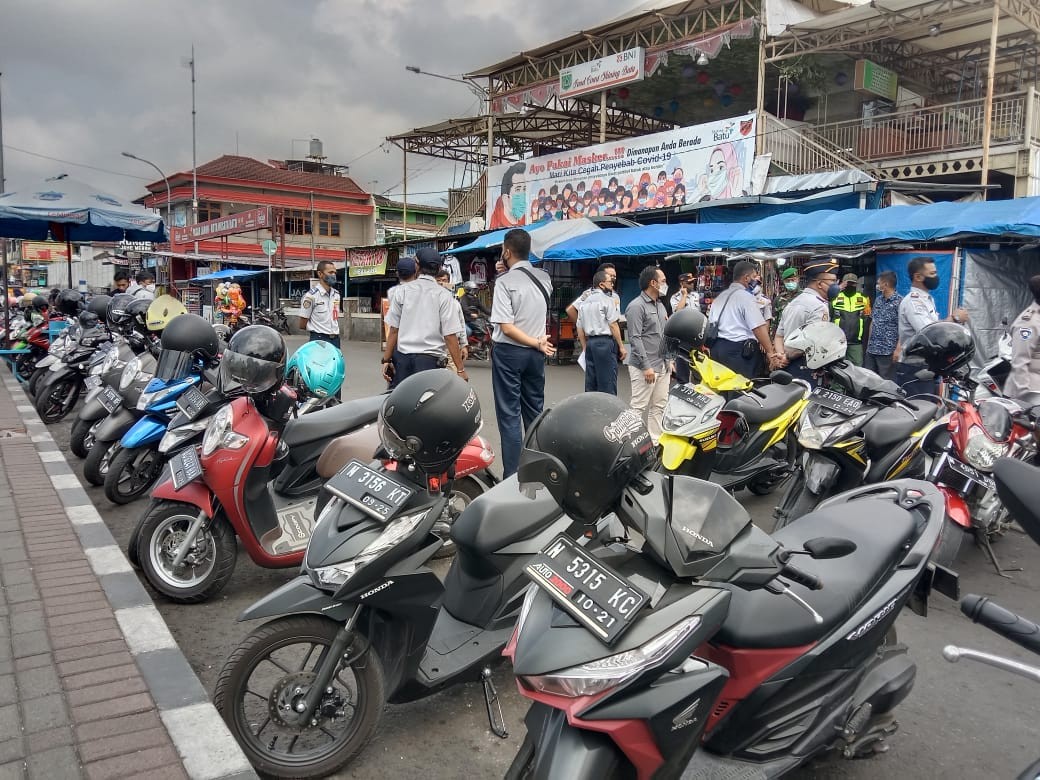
463, 493
231, 699
81, 440
156, 538
790, 510
763, 485
132, 473
34, 381
25, 365
58, 399
950, 539
98, 461
521, 768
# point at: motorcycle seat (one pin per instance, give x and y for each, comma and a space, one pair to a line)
895, 423
881, 531
502, 516
766, 402
336, 420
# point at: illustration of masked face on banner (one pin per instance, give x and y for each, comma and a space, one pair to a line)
723, 177
511, 207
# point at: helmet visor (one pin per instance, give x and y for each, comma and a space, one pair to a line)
251, 374
396, 445
173, 365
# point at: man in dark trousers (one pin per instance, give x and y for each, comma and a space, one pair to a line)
600, 336
743, 331
519, 313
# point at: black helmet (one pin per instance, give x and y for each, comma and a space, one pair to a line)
138, 311
118, 313
99, 305
223, 334
585, 450
88, 319
39, 303
68, 302
684, 332
429, 418
943, 346
191, 334
253, 361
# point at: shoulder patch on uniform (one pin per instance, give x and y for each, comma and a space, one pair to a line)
1025, 333
914, 294
306, 302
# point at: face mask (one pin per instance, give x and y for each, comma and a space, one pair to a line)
832, 291
662, 289
150, 287
329, 279
931, 282
754, 288
791, 286
850, 289
717, 182
518, 204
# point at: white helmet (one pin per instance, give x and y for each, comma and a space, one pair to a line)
822, 343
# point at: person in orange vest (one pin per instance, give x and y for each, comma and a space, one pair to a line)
850, 310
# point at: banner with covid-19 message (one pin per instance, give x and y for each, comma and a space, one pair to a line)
692, 164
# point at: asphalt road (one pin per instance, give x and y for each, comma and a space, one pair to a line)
960, 721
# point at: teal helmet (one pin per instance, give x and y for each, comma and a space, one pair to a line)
316, 368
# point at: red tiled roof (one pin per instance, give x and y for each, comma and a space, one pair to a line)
230, 166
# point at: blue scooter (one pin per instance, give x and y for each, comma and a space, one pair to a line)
137, 462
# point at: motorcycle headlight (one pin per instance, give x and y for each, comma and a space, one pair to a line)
176, 436
130, 372
334, 576
814, 436
219, 434
678, 415
602, 675
109, 362
981, 451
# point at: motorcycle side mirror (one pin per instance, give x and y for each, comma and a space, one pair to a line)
780, 377
826, 547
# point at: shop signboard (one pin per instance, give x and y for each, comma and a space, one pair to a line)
366, 262
707, 162
44, 252
876, 80
625, 67
242, 222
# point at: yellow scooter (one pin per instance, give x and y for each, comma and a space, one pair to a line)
723, 427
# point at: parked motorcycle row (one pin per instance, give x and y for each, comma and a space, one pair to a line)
656, 631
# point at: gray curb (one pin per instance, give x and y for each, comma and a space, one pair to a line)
206, 746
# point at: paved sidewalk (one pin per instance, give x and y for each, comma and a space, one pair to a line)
92, 683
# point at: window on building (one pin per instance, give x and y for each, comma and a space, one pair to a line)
208, 210
297, 222
328, 224
426, 219
392, 215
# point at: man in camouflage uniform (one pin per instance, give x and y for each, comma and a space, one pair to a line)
788, 292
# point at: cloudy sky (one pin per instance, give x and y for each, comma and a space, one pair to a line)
83, 81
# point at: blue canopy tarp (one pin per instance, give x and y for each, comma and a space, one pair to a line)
227, 273
845, 228
544, 234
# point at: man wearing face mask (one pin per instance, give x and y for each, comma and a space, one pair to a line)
851, 310
810, 305
883, 344
788, 292
143, 286
743, 333
319, 307
916, 310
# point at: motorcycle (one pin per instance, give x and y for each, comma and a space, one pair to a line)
55, 352
746, 441
707, 652
1016, 484
479, 339
31, 335
273, 318
963, 452
857, 429
991, 377
58, 392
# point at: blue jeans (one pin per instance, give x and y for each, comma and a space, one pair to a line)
601, 365
406, 364
518, 381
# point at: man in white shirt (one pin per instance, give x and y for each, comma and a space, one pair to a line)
743, 332
319, 307
608, 268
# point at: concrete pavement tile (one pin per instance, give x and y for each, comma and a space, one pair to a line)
27, 621
215, 752
52, 738
93, 694
46, 712
13, 771
10, 722
8, 692
31, 643
126, 705
38, 682
166, 671
117, 726
124, 590
19, 593
12, 749
99, 676
33, 662
136, 764
60, 763
119, 745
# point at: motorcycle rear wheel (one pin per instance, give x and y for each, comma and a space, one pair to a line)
157, 537
57, 400
132, 472
246, 703
34, 381
98, 461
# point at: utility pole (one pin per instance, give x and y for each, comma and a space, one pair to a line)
987, 122
3, 241
194, 161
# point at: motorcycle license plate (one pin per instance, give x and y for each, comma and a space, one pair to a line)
689, 395
191, 402
110, 399
92, 381
185, 467
972, 473
839, 402
376, 493
596, 596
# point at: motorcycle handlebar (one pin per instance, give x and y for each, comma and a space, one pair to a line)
1022, 632
811, 581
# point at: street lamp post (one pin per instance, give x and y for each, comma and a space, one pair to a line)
165, 181
476, 89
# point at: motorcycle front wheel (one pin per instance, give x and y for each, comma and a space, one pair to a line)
98, 460
81, 440
207, 567
271, 672
34, 381
132, 472
57, 400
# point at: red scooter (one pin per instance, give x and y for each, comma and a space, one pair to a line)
479, 340
186, 542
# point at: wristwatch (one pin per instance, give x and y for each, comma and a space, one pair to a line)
384, 361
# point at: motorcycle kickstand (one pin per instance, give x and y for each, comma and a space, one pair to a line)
983, 539
496, 720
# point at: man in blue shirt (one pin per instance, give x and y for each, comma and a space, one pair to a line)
883, 345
